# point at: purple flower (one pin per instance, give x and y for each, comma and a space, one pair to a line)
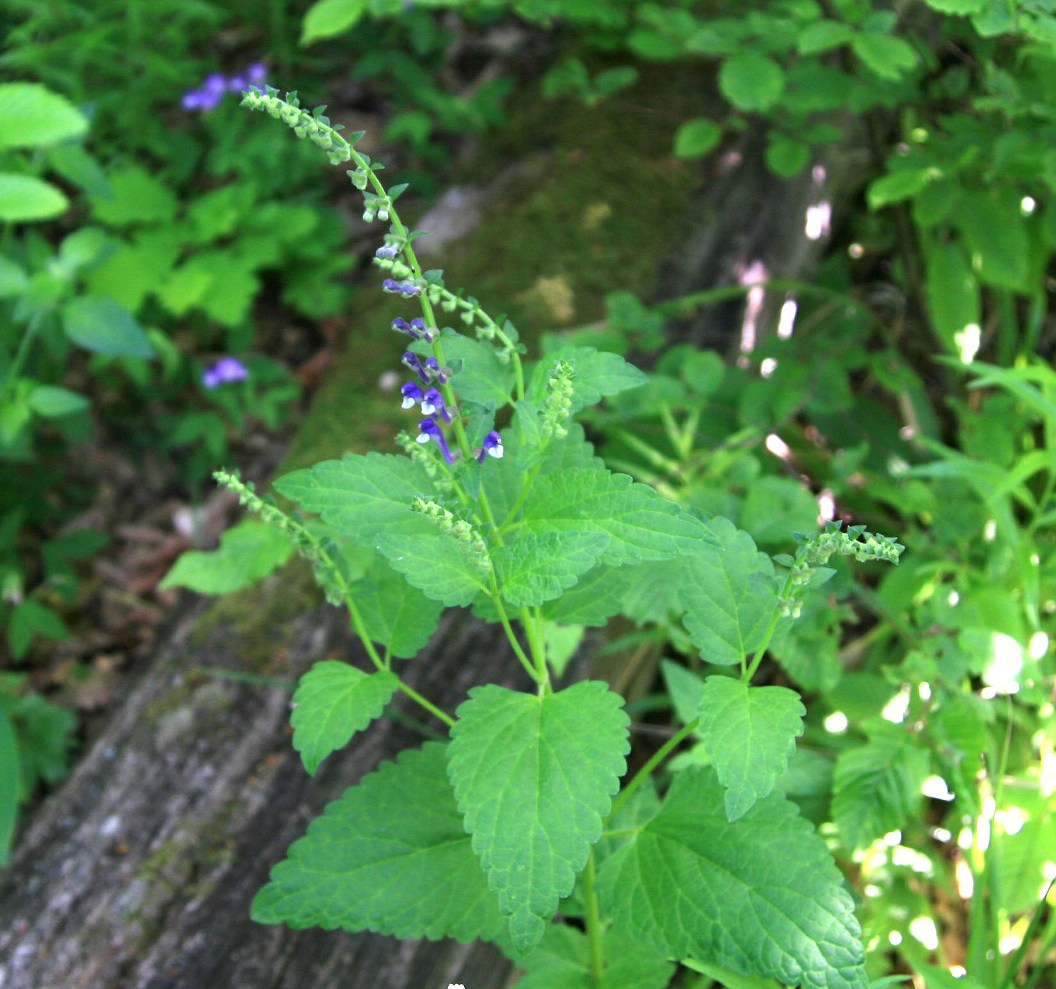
225, 370
387, 253
429, 430
406, 289
435, 371
433, 404
414, 362
257, 74
492, 447
412, 395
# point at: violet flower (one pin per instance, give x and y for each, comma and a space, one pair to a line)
224, 371
429, 430
492, 447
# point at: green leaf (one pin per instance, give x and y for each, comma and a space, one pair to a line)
32, 116
563, 961
952, 291
696, 138
53, 402
596, 374
750, 733
396, 614
534, 776
135, 197
361, 864
248, 552
729, 596
593, 599
751, 81
45, 733
25, 199
887, 56
10, 774
899, 185
433, 561
640, 524
13, 278
482, 377
332, 702
956, 6
325, 18
877, 786
786, 156
362, 496
760, 896
823, 36
537, 567
997, 238
29, 619
104, 326
685, 689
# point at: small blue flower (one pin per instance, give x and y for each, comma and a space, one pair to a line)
224, 371
492, 447
404, 289
435, 371
387, 252
433, 404
429, 430
412, 395
414, 362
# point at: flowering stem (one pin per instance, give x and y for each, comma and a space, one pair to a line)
748, 673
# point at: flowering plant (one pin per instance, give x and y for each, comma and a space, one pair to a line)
499, 503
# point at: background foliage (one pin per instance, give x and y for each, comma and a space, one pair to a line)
916, 393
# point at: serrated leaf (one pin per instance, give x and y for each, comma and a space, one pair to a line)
595, 375
563, 961
593, 599
395, 613
26, 199
104, 326
640, 524
332, 702
751, 81
750, 733
537, 567
759, 896
32, 116
433, 561
729, 596
685, 689
534, 776
248, 552
483, 378
362, 496
361, 864
877, 786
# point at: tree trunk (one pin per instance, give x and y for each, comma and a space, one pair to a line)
139, 873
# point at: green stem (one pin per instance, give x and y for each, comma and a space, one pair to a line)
646, 771
21, 355
428, 705
593, 922
747, 674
